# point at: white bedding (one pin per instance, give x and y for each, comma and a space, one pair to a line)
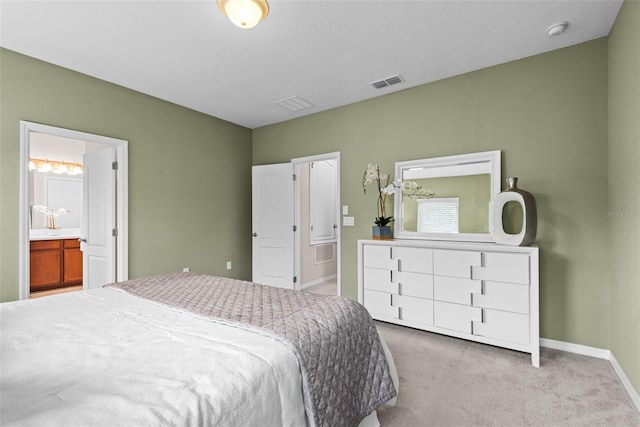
59, 366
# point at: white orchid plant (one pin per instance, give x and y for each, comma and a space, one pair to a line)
385, 188
372, 174
51, 214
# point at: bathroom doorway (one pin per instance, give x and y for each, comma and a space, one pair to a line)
73, 210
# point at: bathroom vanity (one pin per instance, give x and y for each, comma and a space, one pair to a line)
55, 262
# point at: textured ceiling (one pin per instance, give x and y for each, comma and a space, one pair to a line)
325, 52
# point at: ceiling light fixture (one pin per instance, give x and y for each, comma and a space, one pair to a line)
557, 29
244, 13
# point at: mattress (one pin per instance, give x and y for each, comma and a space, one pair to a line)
106, 357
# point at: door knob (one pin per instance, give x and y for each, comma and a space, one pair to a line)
81, 240
254, 234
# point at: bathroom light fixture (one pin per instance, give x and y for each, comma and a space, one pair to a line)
62, 166
45, 166
76, 170
557, 29
244, 13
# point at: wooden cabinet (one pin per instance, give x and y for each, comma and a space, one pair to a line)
55, 264
481, 292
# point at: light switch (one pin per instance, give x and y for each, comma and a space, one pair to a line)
345, 210
348, 221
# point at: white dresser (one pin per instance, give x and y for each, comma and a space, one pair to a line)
477, 291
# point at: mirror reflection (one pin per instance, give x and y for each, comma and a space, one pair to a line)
460, 205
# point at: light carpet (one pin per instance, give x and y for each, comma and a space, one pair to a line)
446, 381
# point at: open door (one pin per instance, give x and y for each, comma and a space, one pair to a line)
98, 231
273, 225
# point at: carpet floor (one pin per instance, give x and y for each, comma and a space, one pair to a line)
446, 381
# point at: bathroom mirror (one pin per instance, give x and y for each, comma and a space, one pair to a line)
462, 187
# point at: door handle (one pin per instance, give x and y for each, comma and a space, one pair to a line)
81, 240
254, 234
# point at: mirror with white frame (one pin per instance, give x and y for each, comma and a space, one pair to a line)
462, 188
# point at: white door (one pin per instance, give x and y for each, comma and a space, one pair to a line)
323, 190
272, 223
98, 219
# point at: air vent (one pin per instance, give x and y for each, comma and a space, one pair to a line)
294, 104
388, 81
325, 253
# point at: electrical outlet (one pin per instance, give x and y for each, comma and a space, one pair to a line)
228, 265
186, 270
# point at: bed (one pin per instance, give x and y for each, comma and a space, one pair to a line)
191, 349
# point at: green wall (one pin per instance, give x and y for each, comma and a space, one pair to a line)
189, 173
623, 209
548, 115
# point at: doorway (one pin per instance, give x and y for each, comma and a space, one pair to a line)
38, 140
276, 224
317, 202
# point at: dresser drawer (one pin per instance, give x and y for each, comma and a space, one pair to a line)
379, 257
455, 316
511, 297
414, 260
413, 284
503, 326
502, 267
414, 309
455, 289
379, 280
399, 282
379, 303
455, 263
484, 294
494, 266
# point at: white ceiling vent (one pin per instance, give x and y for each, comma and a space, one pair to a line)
388, 81
294, 103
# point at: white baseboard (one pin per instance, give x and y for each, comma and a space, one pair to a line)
600, 354
633, 394
318, 281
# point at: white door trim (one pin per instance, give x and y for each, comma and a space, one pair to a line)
296, 165
121, 147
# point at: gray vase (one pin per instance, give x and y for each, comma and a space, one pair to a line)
527, 234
